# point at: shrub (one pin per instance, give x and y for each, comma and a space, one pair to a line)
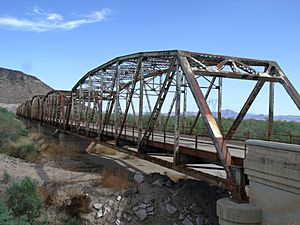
24, 200
23, 132
73, 200
116, 179
6, 177
25, 149
7, 218
9, 126
74, 221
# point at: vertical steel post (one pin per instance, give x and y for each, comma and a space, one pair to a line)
271, 111
184, 105
220, 102
160, 85
101, 105
176, 159
80, 106
72, 110
88, 114
141, 105
117, 102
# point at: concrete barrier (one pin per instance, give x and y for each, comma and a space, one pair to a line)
274, 173
232, 213
274, 197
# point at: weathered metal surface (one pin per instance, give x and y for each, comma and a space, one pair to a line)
122, 85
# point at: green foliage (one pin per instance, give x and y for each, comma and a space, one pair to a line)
24, 200
6, 177
9, 126
74, 221
23, 132
27, 150
7, 218
283, 131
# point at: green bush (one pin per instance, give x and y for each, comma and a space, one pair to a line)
26, 150
23, 132
7, 218
9, 126
74, 221
24, 200
6, 177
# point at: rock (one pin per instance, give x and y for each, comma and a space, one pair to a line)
99, 214
143, 206
199, 220
159, 183
119, 214
139, 178
119, 222
170, 209
169, 184
119, 198
181, 216
149, 209
97, 206
141, 214
110, 202
106, 210
186, 221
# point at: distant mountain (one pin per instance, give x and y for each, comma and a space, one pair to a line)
16, 87
227, 113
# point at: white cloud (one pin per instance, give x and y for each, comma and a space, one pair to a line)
55, 16
42, 21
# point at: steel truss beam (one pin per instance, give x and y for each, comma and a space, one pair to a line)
156, 109
116, 82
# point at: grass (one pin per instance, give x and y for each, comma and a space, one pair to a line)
102, 150
176, 178
6, 177
25, 148
115, 179
72, 200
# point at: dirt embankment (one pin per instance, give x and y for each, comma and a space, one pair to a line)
112, 188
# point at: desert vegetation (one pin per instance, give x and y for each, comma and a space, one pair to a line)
284, 131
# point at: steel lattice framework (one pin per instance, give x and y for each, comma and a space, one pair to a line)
101, 102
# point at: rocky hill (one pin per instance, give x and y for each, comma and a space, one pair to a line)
16, 87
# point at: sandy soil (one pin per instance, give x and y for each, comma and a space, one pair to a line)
153, 198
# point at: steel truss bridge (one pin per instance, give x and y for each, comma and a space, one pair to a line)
123, 100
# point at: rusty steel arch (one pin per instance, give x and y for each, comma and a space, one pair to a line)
36, 107
55, 106
139, 94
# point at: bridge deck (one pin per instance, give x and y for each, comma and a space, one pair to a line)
162, 144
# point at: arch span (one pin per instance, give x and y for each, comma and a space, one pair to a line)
150, 94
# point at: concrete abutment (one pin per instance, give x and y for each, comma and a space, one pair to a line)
274, 198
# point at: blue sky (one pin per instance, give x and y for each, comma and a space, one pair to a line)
59, 41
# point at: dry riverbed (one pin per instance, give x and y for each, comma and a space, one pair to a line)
115, 188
